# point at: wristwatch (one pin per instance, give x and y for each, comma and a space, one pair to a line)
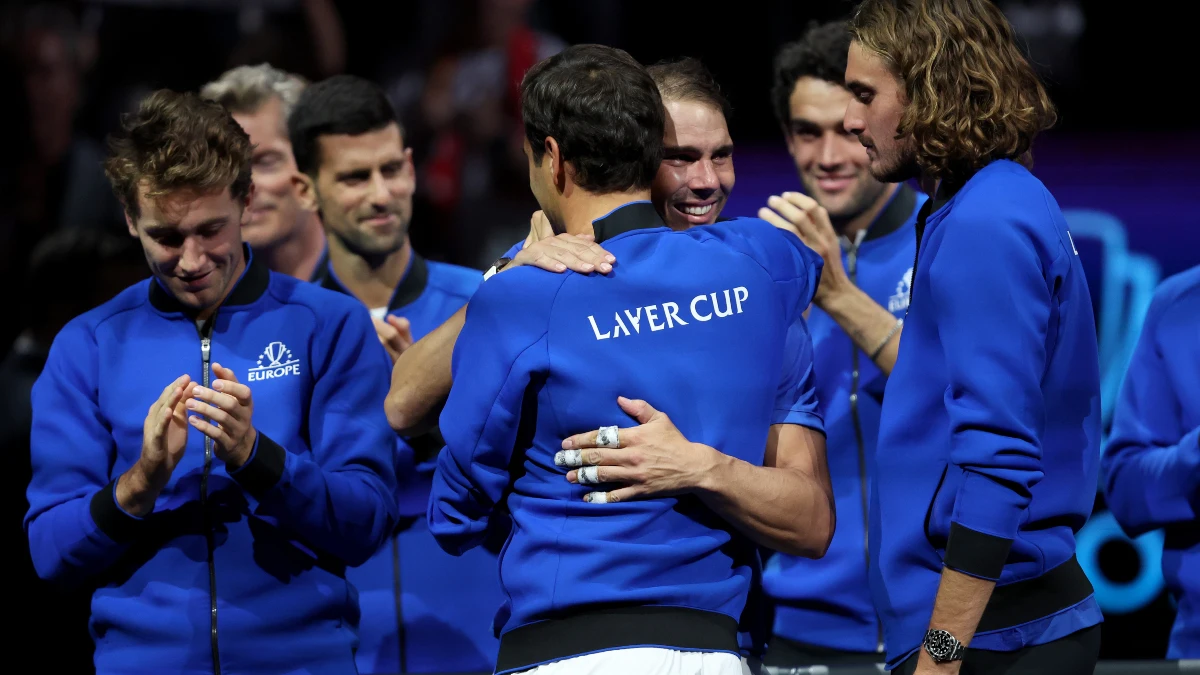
500, 264
942, 646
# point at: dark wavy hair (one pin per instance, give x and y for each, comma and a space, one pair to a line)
177, 141
973, 96
820, 53
687, 79
604, 110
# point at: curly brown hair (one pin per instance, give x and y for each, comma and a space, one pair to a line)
177, 141
973, 97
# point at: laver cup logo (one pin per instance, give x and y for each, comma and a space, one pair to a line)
275, 361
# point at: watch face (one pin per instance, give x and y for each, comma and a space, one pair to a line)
940, 644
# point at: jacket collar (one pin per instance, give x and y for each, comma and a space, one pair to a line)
411, 285
897, 212
639, 215
249, 288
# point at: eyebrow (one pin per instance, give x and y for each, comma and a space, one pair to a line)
157, 228
856, 87
692, 150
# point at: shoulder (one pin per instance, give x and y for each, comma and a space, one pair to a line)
1176, 290
780, 253
327, 305
519, 292
131, 299
461, 282
1004, 191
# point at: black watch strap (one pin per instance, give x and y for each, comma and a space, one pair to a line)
943, 647
500, 264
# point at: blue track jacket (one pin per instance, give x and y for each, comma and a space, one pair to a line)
438, 618
700, 324
827, 602
1152, 464
988, 452
238, 571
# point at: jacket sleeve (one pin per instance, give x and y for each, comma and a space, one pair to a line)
991, 303
502, 346
796, 399
1152, 465
342, 496
74, 525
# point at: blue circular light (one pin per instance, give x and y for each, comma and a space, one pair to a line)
1115, 597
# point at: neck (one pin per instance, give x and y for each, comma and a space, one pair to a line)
372, 284
578, 213
852, 226
298, 255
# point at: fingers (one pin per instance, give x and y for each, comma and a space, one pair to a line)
403, 328
604, 437
597, 475
211, 430
816, 213
229, 384
793, 214
210, 411
216, 398
167, 392
777, 220
384, 330
539, 226
568, 251
612, 496
165, 411
224, 373
638, 409
573, 459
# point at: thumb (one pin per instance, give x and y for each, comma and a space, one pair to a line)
400, 323
638, 409
224, 373
384, 329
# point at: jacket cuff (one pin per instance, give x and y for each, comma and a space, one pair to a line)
111, 518
263, 470
987, 515
976, 554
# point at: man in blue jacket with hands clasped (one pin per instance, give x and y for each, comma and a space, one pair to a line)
215, 528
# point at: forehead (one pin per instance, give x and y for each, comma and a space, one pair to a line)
343, 152
695, 124
265, 124
866, 67
184, 209
819, 101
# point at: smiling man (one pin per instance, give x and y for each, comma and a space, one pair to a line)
282, 230
864, 230
215, 519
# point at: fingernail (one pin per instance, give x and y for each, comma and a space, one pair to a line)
605, 267
588, 266
560, 267
191, 405
197, 391
610, 258
218, 385
568, 444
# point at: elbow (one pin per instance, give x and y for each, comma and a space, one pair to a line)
813, 538
399, 416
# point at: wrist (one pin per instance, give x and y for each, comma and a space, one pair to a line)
835, 298
135, 490
711, 466
242, 453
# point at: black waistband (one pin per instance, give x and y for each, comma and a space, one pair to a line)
1032, 599
615, 628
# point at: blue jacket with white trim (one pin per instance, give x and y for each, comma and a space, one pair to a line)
241, 570
438, 617
544, 356
1152, 465
988, 452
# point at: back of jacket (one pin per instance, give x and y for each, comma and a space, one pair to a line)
696, 323
234, 571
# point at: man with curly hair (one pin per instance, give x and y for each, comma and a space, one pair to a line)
208, 449
989, 438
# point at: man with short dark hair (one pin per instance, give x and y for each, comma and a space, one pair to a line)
285, 233
423, 611
864, 230
632, 550
217, 526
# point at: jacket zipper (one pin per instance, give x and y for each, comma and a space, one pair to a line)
852, 263
206, 354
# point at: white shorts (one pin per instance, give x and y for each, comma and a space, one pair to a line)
646, 661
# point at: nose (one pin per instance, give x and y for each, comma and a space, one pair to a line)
703, 180
380, 194
191, 256
853, 119
829, 155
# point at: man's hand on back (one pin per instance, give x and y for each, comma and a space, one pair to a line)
558, 253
